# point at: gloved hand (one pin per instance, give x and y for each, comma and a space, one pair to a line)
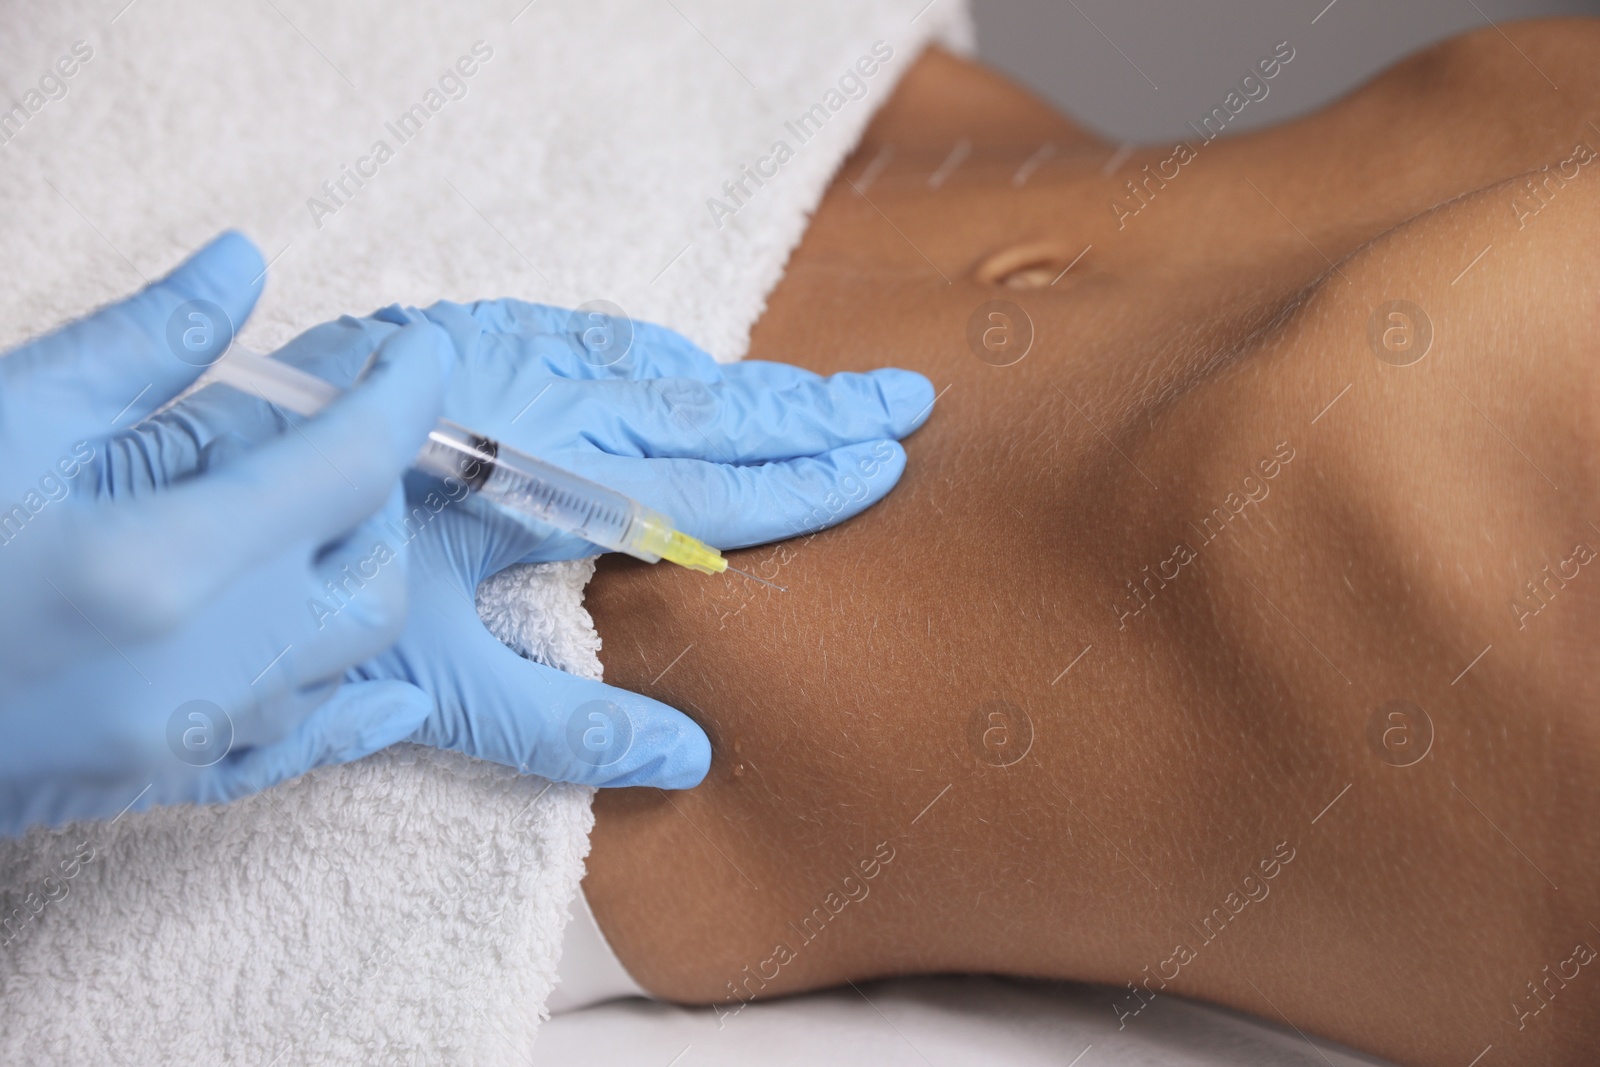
736, 455
156, 645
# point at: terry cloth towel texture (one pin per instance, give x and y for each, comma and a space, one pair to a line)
407, 908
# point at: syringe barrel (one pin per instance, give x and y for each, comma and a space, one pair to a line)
513, 482
532, 488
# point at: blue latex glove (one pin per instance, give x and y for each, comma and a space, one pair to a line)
156, 645
736, 455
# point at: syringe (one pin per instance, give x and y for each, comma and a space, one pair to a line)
519, 484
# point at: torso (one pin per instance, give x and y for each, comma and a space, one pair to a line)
995, 579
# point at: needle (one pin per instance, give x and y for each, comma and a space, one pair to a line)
753, 578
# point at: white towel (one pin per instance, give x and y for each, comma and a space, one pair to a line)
408, 907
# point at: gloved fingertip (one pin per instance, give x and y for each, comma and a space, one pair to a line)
227, 270
907, 396
230, 254
680, 761
628, 739
688, 761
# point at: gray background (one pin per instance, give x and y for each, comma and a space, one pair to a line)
1177, 59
